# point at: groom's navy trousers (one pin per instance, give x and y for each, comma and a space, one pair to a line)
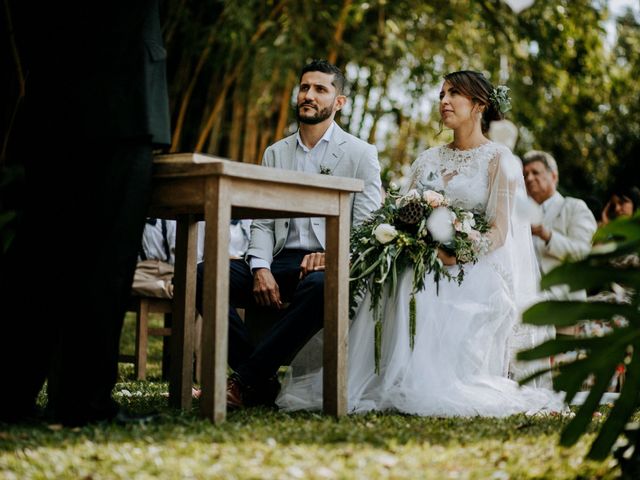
298, 323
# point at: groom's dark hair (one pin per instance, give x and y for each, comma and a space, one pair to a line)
325, 67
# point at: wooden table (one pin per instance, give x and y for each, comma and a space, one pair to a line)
192, 187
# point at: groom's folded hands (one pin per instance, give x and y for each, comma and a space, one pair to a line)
313, 262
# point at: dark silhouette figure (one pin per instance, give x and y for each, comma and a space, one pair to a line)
96, 105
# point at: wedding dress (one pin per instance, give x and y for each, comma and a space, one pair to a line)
466, 335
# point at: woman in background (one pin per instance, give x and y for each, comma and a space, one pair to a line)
623, 201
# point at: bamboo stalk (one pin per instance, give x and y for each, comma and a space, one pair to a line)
177, 132
332, 56
231, 78
285, 106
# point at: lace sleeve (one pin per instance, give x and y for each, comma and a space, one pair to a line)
510, 232
417, 169
505, 178
513, 254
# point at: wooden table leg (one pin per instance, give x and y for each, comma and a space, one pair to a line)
184, 301
215, 318
336, 311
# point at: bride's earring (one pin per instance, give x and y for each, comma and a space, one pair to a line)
478, 113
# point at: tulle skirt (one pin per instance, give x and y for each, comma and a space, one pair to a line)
459, 363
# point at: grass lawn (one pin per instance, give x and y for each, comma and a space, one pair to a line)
259, 443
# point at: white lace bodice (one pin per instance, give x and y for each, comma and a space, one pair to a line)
463, 175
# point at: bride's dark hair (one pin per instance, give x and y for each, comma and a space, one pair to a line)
476, 86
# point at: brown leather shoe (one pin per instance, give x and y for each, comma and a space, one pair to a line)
234, 394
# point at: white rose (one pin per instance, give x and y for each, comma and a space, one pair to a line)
384, 233
434, 199
440, 224
467, 225
464, 224
468, 217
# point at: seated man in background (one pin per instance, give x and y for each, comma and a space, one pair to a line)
156, 258
567, 225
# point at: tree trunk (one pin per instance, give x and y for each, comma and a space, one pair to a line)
180, 81
252, 127
365, 103
284, 109
214, 138
258, 115
377, 111
265, 135
173, 18
177, 132
231, 77
237, 123
355, 91
332, 56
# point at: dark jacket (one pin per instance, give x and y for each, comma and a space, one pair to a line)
99, 71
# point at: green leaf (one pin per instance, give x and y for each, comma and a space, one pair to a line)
561, 345
571, 377
567, 312
622, 410
581, 421
619, 228
371, 268
581, 276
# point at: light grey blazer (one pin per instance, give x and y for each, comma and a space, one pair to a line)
346, 156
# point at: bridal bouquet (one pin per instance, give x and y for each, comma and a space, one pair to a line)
406, 232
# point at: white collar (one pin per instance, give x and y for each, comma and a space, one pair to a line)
550, 201
326, 137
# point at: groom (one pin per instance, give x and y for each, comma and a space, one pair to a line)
285, 260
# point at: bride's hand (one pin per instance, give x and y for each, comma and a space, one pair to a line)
446, 259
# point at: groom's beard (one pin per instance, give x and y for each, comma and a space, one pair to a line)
313, 118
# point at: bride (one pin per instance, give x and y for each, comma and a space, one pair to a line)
466, 335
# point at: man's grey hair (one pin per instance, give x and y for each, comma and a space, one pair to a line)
540, 156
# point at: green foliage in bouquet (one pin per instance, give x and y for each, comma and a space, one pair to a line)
601, 355
406, 232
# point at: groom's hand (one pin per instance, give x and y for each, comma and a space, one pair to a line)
265, 289
313, 262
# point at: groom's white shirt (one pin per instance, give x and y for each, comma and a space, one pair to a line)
302, 235
339, 153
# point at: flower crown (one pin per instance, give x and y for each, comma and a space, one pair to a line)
500, 98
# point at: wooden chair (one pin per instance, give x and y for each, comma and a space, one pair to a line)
142, 307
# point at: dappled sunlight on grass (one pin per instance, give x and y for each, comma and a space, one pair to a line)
262, 443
